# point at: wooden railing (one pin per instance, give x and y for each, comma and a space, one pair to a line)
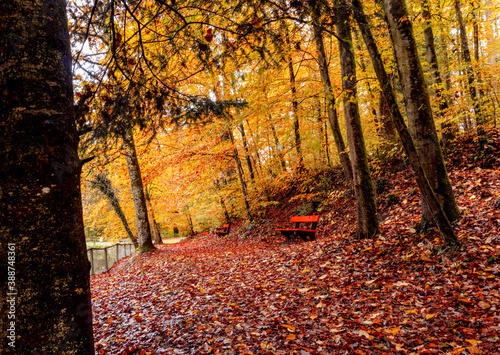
102, 259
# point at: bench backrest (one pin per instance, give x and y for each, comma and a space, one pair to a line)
302, 219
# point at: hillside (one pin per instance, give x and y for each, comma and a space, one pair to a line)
251, 293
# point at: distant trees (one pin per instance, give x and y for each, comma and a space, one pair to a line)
279, 57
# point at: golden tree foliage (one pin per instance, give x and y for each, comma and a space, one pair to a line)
236, 51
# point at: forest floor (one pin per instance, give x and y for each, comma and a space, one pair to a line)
251, 293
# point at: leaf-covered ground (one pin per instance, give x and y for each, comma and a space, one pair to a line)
396, 294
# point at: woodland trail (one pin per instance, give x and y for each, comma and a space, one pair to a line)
251, 294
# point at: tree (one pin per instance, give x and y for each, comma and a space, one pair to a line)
104, 185
41, 221
329, 95
141, 210
397, 118
448, 132
471, 81
419, 111
366, 207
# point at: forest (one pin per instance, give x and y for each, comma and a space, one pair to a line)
145, 120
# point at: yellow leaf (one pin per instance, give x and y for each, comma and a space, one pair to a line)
291, 337
303, 271
303, 290
399, 347
263, 346
290, 328
393, 330
202, 290
471, 341
413, 311
429, 316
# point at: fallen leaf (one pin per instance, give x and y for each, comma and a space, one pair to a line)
484, 305
290, 328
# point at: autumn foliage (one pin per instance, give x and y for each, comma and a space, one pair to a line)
250, 293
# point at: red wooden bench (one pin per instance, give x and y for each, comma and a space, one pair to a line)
308, 233
224, 230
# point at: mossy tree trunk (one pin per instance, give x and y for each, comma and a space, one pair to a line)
366, 207
41, 221
419, 111
333, 119
397, 118
141, 210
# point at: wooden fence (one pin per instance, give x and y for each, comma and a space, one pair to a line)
102, 259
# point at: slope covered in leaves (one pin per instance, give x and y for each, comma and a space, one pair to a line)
399, 293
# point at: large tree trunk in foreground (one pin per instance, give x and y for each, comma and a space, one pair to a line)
43, 259
366, 207
345, 162
395, 114
141, 210
103, 184
419, 111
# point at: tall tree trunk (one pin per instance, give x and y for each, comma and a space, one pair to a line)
471, 81
279, 148
154, 225
43, 258
321, 134
448, 131
241, 176
366, 207
419, 111
387, 90
247, 153
141, 211
190, 221
327, 146
295, 103
345, 162
103, 184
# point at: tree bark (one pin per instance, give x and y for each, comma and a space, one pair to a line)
407, 141
471, 81
103, 184
141, 210
419, 111
241, 176
295, 103
279, 149
154, 225
247, 152
42, 236
366, 207
448, 131
190, 221
333, 119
